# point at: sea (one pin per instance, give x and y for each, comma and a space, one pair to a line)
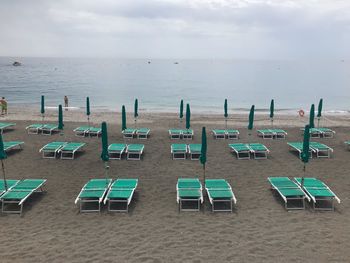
160, 84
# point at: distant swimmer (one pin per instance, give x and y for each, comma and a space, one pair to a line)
66, 102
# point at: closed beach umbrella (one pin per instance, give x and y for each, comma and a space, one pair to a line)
60, 117
123, 118
104, 138
3, 156
319, 112
312, 116
42, 109
136, 108
181, 110
225, 113
203, 157
272, 110
251, 118
306, 150
88, 110
188, 116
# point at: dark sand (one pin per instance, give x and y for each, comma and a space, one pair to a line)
259, 229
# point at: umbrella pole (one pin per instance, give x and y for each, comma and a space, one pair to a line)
3, 172
135, 122
272, 122
302, 178
106, 171
318, 122
88, 121
225, 123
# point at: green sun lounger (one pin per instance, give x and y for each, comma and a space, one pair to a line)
242, 150
129, 133
8, 146
121, 193
320, 194
219, 134
134, 151
232, 134
143, 133
179, 151
48, 129
52, 149
189, 193
321, 150
34, 128
321, 132
298, 147
116, 150
259, 150
10, 183
272, 133
220, 191
92, 195
291, 193
195, 151
19, 193
95, 131
5, 126
69, 149
82, 131
187, 134
175, 133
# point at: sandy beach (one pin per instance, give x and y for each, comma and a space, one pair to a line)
259, 229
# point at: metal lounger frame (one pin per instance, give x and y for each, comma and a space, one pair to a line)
127, 201
245, 153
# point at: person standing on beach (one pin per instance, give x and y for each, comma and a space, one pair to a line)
3, 104
66, 102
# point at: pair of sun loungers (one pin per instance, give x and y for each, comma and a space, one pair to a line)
181, 134
295, 192
180, 151
272, 134
116, 195
5, 126
245, 150
45, 129
131, 151
190, 194
66, 149
321, 132
83, 131
225, 134
319, 149
140, 133
18, 191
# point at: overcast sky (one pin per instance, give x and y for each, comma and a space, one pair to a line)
253, 29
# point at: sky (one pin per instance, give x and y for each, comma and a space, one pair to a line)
208, 29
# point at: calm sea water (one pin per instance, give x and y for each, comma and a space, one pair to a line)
161, 84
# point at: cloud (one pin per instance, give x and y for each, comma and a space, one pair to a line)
176, 28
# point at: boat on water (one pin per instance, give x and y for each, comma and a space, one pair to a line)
16, 64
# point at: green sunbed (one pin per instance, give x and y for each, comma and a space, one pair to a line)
272, 133
116, 150
121, 192
51, 149
219, 191
187, 134
82, 131
5, 125
242, 150
93, 192
293, 196
134, 151
175, 133
8, 146
19, 193
319, 193
189, 191
129, 133
259, 150
232, 134
34, 128
321, 150
69, 149
298, 146
142, 133
94, 131
48, 129
321, 132
195, 151
219, 134
179, 151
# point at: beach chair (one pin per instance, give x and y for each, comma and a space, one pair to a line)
266, 134
232, 134
321, 150
129, 133
326, 132
8, 146
219, 134
347, 144
259, 150
134, 151
52, 149
5, 125
219, 191
280, 134
120, 192
10, 183
94, 131
116, 151
175, 133
187, 134
81, 131
48, 129
195, 151
291, 193
19, 193
34, 128
69, 149
92, 195
321, 195
189, 193
179, 151
142, 133
298, 147
242, 150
